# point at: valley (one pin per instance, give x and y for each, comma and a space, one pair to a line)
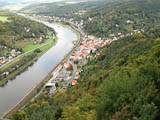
105, 64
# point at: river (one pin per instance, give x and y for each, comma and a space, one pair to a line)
17, 88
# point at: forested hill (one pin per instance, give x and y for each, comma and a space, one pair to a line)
60, 8
15, 29
120, 84
123, 16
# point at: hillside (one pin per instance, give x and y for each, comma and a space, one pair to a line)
120, 83
122, 17
19, 35
123, 82
15, 29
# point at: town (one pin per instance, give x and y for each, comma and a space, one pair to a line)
87, 48
12, 54
68, 72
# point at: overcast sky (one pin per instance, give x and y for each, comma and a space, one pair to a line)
16, 1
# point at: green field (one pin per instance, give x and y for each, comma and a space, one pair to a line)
32, 46
4, 19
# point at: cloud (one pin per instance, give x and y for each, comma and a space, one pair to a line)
39, 1
29, 1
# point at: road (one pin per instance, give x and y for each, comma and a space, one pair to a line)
74, 68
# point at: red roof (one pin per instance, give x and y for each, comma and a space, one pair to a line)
38, 41
74, 81
77, 74
97, 53
85, 51
67, 64
1, 61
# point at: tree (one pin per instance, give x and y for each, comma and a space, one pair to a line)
37, 50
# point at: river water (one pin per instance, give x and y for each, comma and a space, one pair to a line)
17, 88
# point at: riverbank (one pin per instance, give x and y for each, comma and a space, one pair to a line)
33, 91
27, 98
43, 49
69, 27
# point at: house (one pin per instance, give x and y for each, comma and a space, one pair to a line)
73, 58
58, 78
111, 35
33, 34
79, 70
50, 84
64, 88
85, 51
13, 55
142, 30
90, 19
115, 38
67, 65
129, 22
19, 52
77, 75
13, 51
1, 61
28, 30
97, 53
10, 57
136, 31
40, 38
6, 73
122, 36
89, 56
74, 82
119, 33
91, 37
38, 41
79, 57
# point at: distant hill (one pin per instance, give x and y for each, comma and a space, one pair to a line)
59, 8
16, 5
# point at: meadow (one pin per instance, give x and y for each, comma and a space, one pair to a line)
4, 19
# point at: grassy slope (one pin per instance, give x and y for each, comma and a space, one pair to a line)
4, 19
32, 46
